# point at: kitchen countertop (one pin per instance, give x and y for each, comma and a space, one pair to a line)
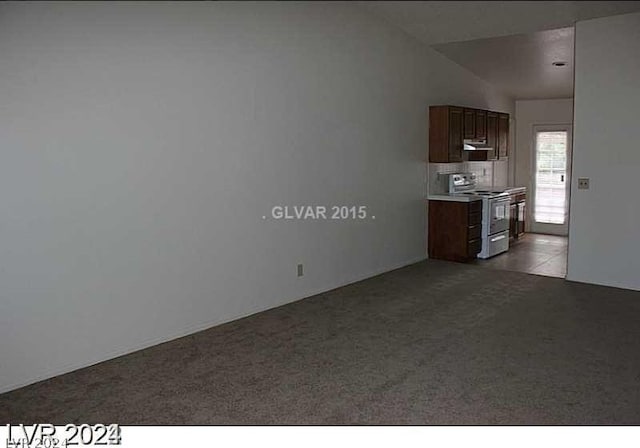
511, 189
453, 197
470, 198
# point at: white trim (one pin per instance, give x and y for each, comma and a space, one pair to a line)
197, 328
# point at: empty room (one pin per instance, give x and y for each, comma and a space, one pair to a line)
319, 213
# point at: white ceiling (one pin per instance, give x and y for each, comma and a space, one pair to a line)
510, 44
436, 22
520, 65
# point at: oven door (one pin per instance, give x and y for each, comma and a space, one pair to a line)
498, 243
499, 214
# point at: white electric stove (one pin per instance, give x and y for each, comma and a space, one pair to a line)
495, 212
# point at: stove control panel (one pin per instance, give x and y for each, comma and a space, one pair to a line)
459, 182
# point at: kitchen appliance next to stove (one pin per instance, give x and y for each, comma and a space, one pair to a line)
495, 213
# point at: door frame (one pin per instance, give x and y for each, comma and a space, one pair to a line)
550, 229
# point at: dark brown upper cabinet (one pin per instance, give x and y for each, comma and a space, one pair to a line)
481, 124
475, 124
450, 125
445, 134
503, 136
469, 123
492, 135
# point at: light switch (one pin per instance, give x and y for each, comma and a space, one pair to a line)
583, 183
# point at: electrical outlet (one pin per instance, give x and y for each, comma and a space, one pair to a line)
300, 270
583, 183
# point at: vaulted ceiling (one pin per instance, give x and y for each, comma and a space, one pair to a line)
520, 65
511, 45
435, 22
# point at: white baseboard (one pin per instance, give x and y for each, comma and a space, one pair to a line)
195, 329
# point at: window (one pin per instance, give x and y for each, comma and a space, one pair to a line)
551, 177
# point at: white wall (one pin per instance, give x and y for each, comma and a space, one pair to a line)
603, 234
528, 114
143, 142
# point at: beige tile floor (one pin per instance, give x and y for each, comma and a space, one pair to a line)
534, 254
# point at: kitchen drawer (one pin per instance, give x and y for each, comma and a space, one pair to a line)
454, 233
474, 219
475, 232
475, 207
474, 247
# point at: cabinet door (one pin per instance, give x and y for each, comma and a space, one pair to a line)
455, 134
454, 232
522, 216
481, 124
513, 221
492, 135
503, 135
470, 123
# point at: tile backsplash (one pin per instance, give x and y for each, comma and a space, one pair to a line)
438, 184
488, 174
483, 172
501, 173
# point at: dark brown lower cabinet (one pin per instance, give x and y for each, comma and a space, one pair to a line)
513, 220
455, 230
522, 213
518, 213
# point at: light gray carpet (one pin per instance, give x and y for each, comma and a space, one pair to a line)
433, 343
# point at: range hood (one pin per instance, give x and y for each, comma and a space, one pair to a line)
476, 145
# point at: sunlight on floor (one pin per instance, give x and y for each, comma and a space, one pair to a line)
534, 254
